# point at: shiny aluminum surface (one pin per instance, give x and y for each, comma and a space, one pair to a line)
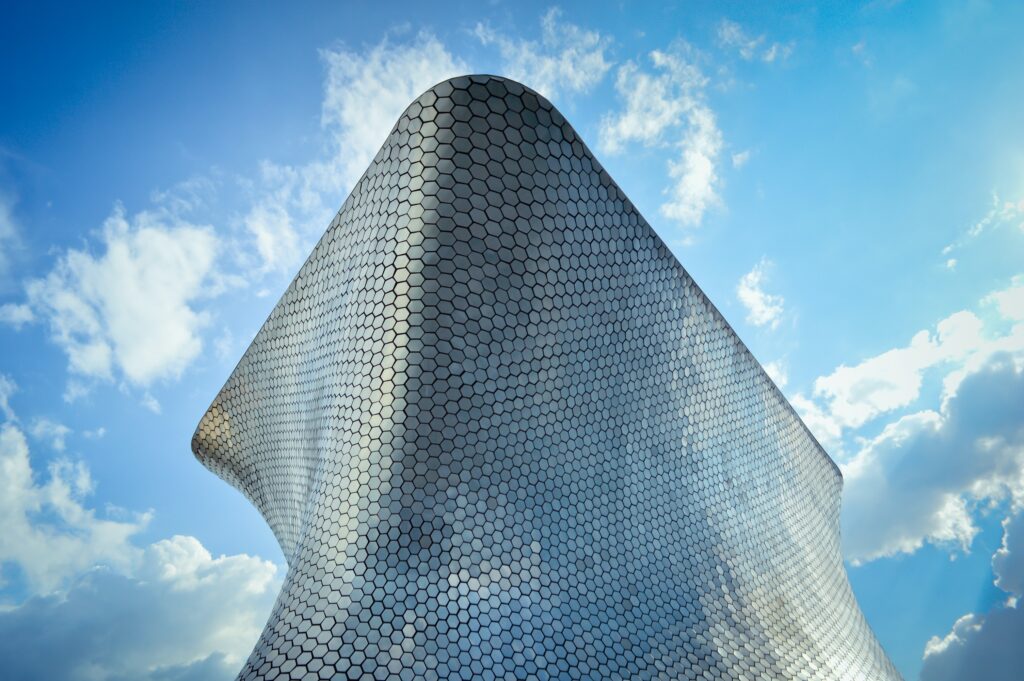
499, 432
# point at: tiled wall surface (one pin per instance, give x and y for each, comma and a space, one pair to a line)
500, 433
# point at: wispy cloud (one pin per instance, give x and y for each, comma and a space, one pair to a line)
860, 51
16, 315
50, 431
365, 91
1000, 213
750, 48
7, 388
133, 307
666, 106
763, 309
567, 58
10, 238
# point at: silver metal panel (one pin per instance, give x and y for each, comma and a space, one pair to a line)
500, 433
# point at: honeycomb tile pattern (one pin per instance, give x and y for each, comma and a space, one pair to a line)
501, 434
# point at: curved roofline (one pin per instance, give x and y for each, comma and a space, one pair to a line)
599, 167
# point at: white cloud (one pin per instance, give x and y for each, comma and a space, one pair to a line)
48, 532
115, 611
696, 178
75, 390
923, 477
962, 628
667, 107
225, 345
989, 641
364, 94
567, 58
150, 403
1010, 301
825, 428
7, 388
920, 480
184, 615
1001, 213
988, 644
51, 431
854, 395
277, 242
732, 36
94, 434
1008, 561
777, 372
130, 311
740, 158
16, 315
763, 309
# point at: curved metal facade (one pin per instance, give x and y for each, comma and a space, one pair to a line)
500, 432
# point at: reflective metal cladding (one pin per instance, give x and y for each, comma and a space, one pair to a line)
499, 432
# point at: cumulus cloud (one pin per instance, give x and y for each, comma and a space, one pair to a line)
365, 92
763, 309
989, 641
732, 36
922, 478
1008, 561
184, 614
919, 480
924, 475
978, 644
826, 429
49, 534
1010, 301
130, 311
852, 396
566, 59
666, 107
856, 394
115, 611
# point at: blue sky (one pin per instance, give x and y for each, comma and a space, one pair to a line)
845, 182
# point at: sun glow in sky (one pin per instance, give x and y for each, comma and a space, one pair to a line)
845, 181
